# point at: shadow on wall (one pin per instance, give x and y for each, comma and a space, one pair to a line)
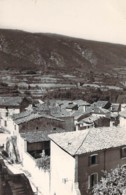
12, 149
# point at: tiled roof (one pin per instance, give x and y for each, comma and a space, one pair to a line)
90, 140
77, 114
81, 103
39, 136
97, 110
60, 113
41, 107
21, 114
99, 104
90, 119
100, 110
10, 101
66, 103
29, 115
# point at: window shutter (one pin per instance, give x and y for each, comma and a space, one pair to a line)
97, 159
123, 152
89, 160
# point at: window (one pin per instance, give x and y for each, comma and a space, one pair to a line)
93, 159
5, 123
123, 152
6, 113
15, 127
93, 179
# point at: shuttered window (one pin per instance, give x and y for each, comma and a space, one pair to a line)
5, 123
93, 159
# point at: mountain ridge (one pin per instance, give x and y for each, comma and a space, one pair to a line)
52, 53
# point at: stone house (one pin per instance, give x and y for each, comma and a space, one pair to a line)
93, 121
37, 143
32, 129
34, 121
78, 158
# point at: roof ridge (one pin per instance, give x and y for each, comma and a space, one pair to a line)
83, 141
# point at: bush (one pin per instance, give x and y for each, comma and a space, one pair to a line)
113, 183
43, 163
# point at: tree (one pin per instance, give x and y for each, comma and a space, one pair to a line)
113, 183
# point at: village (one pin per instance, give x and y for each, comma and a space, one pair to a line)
58, 147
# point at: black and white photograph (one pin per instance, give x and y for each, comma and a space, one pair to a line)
62, 97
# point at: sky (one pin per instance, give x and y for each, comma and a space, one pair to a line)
102, 20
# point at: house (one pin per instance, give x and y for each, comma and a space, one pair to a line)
32, 128
78, 158
92, 117
79, 115
69, 111
34, 121
37, 142
70, 106
30, 120
82, 104
93, 121
10, 106
65, 116
98, 111
13, 105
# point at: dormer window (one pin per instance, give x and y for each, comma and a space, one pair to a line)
93, 159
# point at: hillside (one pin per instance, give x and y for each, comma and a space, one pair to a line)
55, 53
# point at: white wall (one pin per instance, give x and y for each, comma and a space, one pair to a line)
12, 127
122, 122
123, 107
9, 122
62, 167
22, 146
40, 178
10, 111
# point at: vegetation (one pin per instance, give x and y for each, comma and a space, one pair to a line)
88, 94
113, 183
43, 163
37, 55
